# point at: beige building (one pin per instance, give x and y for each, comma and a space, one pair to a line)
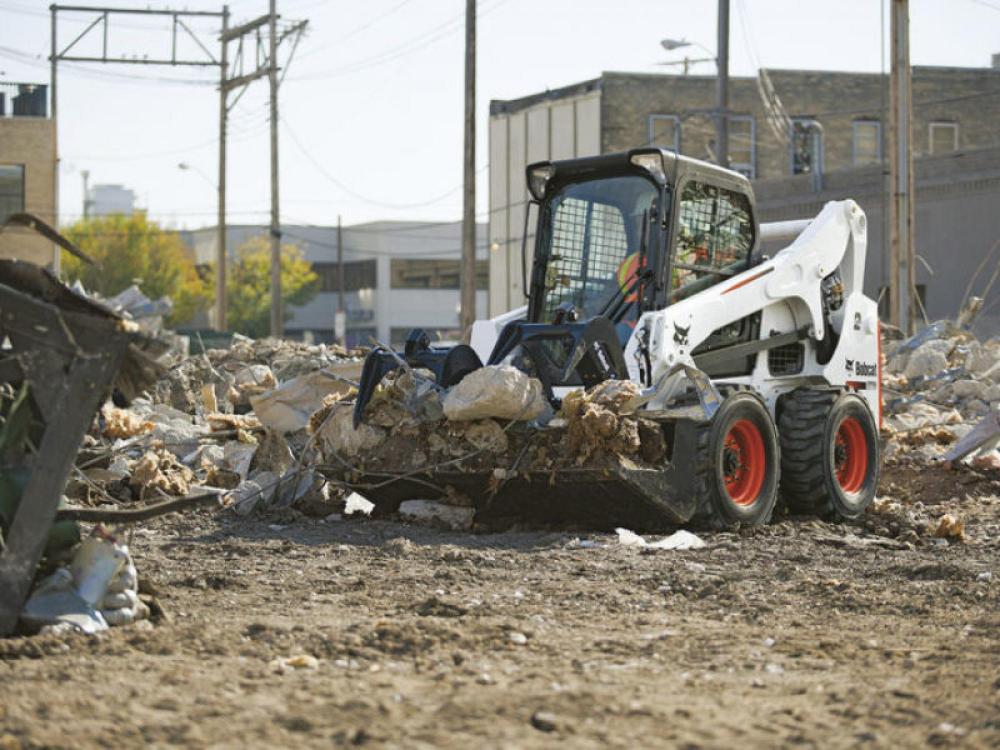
27, 169
837, 122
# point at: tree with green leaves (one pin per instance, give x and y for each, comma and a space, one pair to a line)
134, 250
248, 285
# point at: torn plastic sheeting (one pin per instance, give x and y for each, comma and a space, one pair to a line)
56, 600
355, 503
254, 493
679, 540
496, 391
289, 407
138, 305
73, 594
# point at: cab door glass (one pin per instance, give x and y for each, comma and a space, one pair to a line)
714, 237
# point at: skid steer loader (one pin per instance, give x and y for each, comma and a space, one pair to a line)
762, 372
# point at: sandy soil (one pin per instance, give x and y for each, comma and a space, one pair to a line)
798, 634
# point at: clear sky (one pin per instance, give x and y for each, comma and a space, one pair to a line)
371, 109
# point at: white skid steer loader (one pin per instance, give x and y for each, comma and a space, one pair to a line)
762, 372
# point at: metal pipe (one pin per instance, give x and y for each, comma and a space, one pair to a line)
773, 231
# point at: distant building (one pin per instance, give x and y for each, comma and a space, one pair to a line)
27, 169
397, 276
104, 200
835, 147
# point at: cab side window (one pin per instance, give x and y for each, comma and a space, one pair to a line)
714, 237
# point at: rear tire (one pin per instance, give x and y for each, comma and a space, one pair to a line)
738, 464
830, 453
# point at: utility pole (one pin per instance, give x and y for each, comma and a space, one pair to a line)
272, 75
221, 256
340, 321
248, 64
86, 193
902, 283
722, 88
56, 255
468, 264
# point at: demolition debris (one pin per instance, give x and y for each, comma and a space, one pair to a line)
268, 427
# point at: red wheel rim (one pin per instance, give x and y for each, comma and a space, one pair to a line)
744, 462
850, 455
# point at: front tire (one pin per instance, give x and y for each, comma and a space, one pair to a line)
830, 453
739, 464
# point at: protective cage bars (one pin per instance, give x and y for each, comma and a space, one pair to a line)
588, 246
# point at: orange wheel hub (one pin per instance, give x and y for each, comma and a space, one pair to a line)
744, 462
850, 455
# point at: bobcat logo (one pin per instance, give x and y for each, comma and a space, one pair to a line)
681, 335
849, 365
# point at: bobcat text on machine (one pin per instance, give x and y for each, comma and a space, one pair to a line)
764, 373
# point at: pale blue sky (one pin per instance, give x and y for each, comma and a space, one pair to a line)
374, 95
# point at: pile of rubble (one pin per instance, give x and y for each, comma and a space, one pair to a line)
228, 420
495, 417
938, 386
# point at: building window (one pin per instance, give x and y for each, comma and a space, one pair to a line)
943, 137
406, 273
358, 274
743, 145
806, 146
665, 132
867, 142
11, 190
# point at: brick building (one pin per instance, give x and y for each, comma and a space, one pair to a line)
27, 169
838, 125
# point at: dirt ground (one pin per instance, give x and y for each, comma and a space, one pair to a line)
798, 634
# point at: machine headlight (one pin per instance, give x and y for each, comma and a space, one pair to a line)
538, 177
652, 162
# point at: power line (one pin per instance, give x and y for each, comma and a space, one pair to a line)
364, 199
364, 27
416, 44
40, 61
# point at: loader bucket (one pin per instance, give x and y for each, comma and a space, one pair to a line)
588, 498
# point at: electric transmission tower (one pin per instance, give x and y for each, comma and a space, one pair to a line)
257, 46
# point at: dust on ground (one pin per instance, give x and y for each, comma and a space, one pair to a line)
799, 633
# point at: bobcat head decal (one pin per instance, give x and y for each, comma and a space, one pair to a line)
681, 335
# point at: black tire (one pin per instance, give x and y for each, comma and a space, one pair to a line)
830, 453
738, 465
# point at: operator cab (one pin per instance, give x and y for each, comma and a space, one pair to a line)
605, 244
621, 234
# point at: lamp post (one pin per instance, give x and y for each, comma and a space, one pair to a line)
185, 167
721, 59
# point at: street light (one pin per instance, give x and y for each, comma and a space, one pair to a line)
185, 167
721, 60
674, 44
671, 44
